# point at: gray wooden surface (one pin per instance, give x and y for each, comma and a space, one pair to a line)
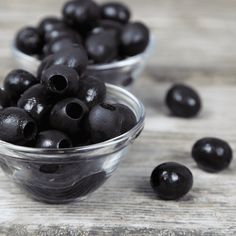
195, 43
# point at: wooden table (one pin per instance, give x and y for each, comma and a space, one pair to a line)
195, 44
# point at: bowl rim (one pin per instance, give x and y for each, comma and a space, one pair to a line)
106, 66
106, 144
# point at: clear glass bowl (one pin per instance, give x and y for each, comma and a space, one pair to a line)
122, 73
59, 176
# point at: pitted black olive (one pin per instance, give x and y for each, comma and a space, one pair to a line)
92, 91
183, 101
53, 139
16, 126
104, 122
212, 154
61, 79
37, 101
102, 47
5, 100
81, 14
171, 180
134, 39
127, 116
68, 116
73, 56
115, 11
17, 81
29, 41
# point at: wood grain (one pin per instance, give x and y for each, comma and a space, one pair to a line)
195, 44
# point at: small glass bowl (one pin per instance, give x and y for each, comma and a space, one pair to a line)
122, 73
60, 176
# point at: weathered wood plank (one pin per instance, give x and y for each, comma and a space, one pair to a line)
196, 45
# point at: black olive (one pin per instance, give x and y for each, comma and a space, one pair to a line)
61, 79
104, 122
91, 90
5, 100
183, 101
16, 126
53, 139
62, 32
128, 117
134, 39
102, 47
81, 14
108, 25
68, 116
115, 11
29, 41
212, 154
48, 24
73, 56
171, 180
17, 81
58, 45
37, 101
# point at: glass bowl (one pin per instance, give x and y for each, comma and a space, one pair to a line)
60, 176
122, 73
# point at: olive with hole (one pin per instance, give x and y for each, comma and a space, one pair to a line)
53, 139
17, 126
68, 116
61, 79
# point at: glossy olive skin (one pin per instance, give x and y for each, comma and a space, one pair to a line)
81, 14
212, 154
29, 41
104, 122
48, 24
5, 100
16, 126
92, 91
115, 11
73, 56
17, 81
102, 47
68, 116
109, 25
53, 139
61, 32
58, 44
37, 101
127, 116
61, 80
183, 101
134, 39
171, 180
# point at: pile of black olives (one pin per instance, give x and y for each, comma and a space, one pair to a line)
172, 180
59, 109
104, 30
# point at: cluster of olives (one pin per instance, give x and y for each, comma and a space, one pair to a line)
59, 109
103, 30
172, 180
